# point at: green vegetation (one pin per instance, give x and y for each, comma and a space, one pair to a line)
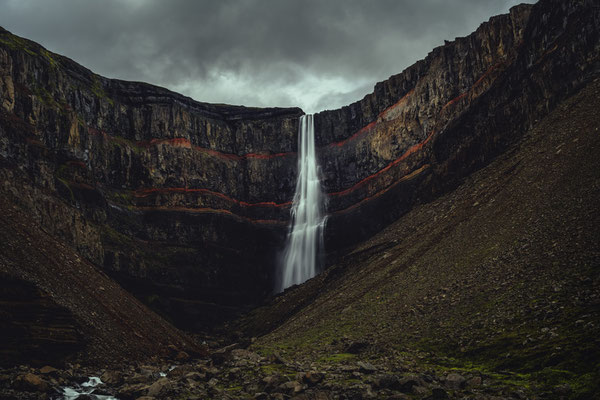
233, 388
48, 99
113, 237
337, 358
278, 369
33, 49
98, 89
65, 183
48, 56
17, 43
152, 300
121, 141
122, 197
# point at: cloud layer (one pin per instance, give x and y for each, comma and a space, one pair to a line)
310, 53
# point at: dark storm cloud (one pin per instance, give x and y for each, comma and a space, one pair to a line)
310, 53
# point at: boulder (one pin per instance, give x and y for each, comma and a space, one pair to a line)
181, 370
387, 381
32, 383
160, 387
474, 381
114, 378
48, 370
438, 394
271, 381
455, 381
132, 391
366, 368
312, 377
407, 384
357, 346
291, 387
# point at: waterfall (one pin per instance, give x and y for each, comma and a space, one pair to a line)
305, 237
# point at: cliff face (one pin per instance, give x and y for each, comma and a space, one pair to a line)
451, 113
170, 195
187, 203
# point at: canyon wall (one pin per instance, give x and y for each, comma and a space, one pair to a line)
451, 113
187, 203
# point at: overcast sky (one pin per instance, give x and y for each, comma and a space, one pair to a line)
315, 54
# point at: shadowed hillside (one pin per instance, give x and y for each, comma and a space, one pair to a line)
499, 279
55, 306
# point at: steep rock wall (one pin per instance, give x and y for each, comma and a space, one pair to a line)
444, 117
180, 200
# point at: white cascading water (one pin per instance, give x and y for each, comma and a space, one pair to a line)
305, 238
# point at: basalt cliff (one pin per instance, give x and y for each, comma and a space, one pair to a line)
186, 204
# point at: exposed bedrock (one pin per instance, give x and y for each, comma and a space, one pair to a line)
451, 113
187, 203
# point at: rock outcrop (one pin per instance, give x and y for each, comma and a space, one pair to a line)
187, 203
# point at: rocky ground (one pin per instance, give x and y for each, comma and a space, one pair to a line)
236, 373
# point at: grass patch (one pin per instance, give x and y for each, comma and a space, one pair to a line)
124, 197
121, 141
48, 99
337, 358
234, 388
98, 89
48, 56
278, 369
569, 360
114, 237
16, 43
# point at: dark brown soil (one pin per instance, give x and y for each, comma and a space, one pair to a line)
110, 323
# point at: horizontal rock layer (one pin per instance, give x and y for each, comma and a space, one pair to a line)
34, 328
187, 203
57, 307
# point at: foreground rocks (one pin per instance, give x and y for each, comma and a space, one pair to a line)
245, 374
